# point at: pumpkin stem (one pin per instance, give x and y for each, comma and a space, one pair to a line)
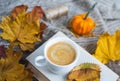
89, 11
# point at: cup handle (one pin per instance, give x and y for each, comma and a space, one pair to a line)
40, 61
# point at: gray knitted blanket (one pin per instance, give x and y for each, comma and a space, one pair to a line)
105, 14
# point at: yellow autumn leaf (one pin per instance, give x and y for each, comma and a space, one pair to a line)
11, 69
108, 48
22, 28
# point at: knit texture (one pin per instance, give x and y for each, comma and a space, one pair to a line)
105, 14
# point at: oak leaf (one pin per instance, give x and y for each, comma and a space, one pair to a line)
11, 69
108, 48
22, 28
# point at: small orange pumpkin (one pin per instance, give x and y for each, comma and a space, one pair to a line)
81, 26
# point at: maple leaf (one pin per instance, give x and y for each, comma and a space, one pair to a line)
2, 52
84, 72
11, 69
43, 27
108, 48
22, 28
17, 10
35, 14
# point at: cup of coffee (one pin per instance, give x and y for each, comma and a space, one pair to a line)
61, 55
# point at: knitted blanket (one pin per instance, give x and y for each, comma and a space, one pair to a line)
105, 14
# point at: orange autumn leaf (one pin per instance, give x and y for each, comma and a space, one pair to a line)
17, 10
35, 14
22, 28
11, 69
84, 72
108, 48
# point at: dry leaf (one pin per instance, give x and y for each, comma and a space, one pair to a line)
11, 70
25, 29
2, 52
17, 10
85, 72
43, 26
35, 14
108, 48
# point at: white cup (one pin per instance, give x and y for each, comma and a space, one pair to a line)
55, 68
